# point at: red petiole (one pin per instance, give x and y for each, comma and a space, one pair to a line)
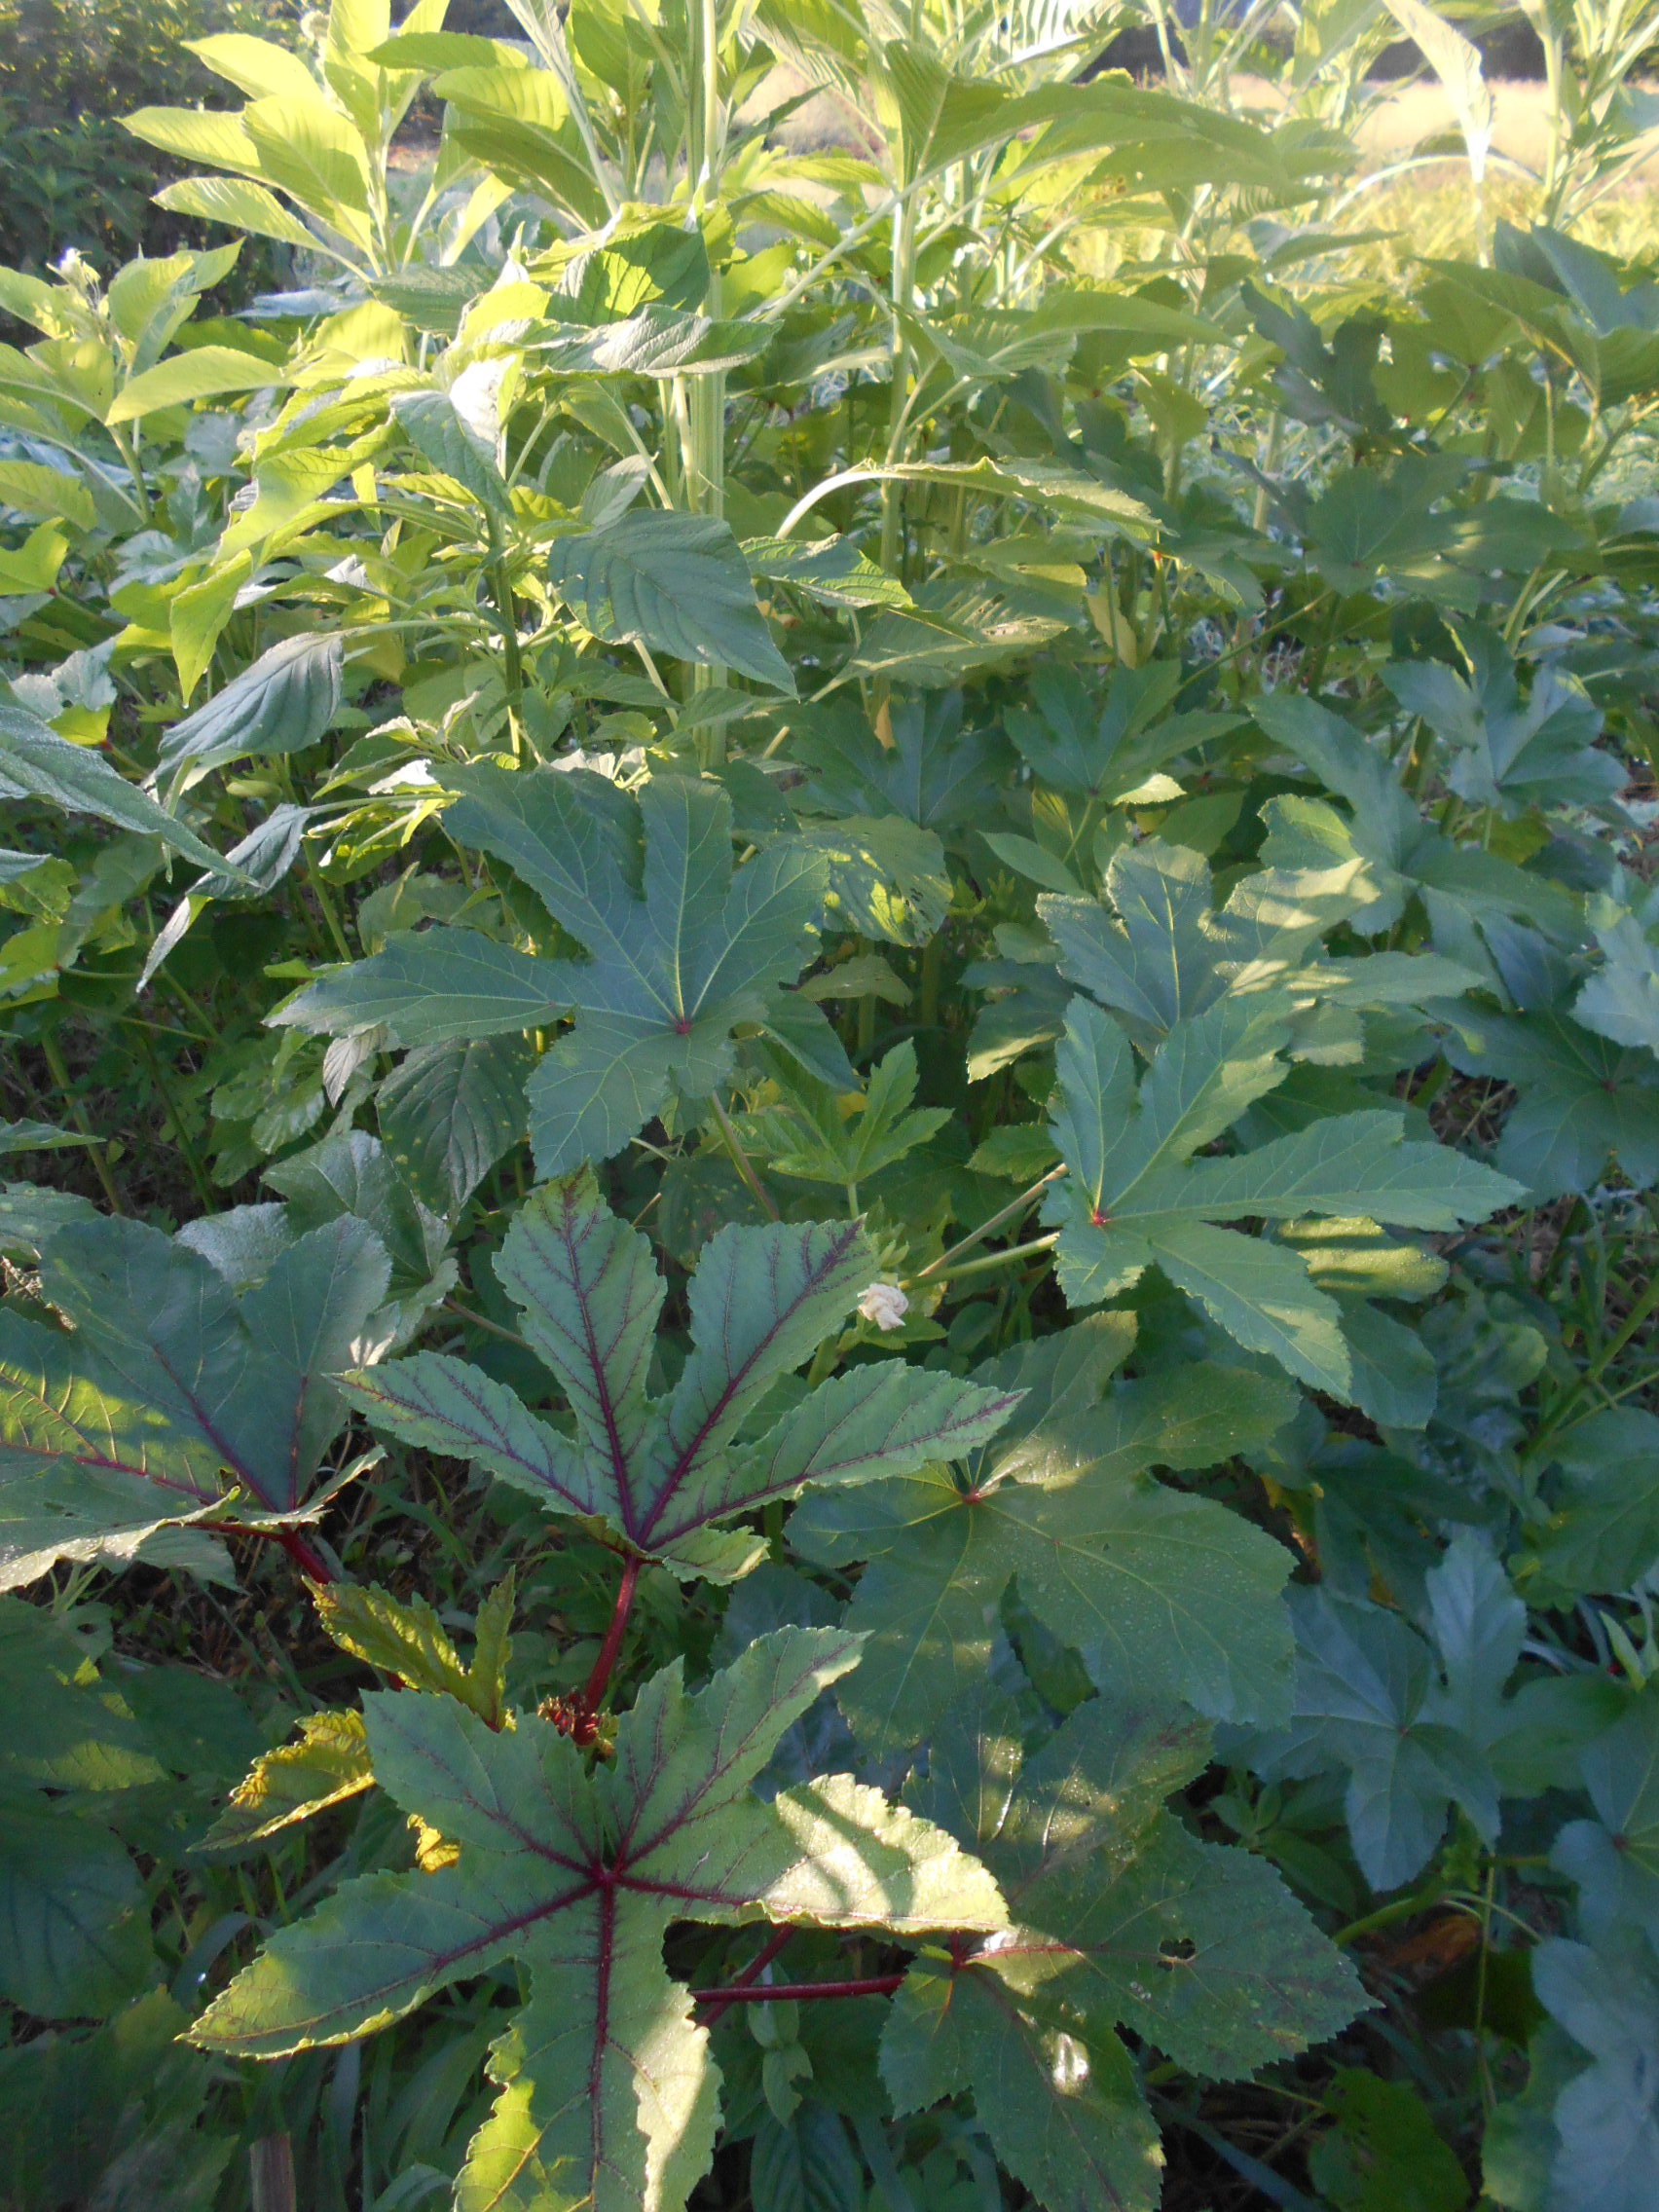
587, 1723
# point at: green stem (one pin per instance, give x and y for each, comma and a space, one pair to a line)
128, 452
904, 295
53, 1054
1488, 2095
1269, 461
946, 1262
500, 583
824, 1359
741, 1159
490, 1328
1402, 1908
983, 1266
330, 912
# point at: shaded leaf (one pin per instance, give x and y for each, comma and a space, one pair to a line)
606, 2080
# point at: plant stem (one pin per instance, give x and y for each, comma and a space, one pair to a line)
53, 1054
478, 1322
500, 583
270, 2174
304, 1555
903, 296
330, 912
610, 1650
1402, 1908
777, 1942
796, 1992
1001, 1258
945, 1262
742, 1161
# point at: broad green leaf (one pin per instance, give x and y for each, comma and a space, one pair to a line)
283, 703
310, 150
1506, 754
832, 570
936, 774
1606, 2122
1165, 1593
806, 2166
206, 372
887, 877
35, 761
1069, 492
808, 1136
1148, 137
682, 949
74, 1919
74, 1931
1385, 2149
608, 2092
328, 1764
446, 986
1460, 885
1411, 1720
52, 494
256, 66
1364, 526
83, 2115
674, 583
1066, 2117
1155, 951
954, 627
1580, 1100
449, 1112
664, 1472
35, 565
38, 1136
1603, 1530
196, 135
659, 340
351, 1173
1457, 65
1119, 1920
433, 424
1136, 1196
1614, 1857
1621, 1000
1107, 751
171, 1400
409, 1642
516, 123
64, 1730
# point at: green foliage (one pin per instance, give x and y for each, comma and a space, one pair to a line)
661, 1474
68, 70
578, 1876
831, 1041
1120, 1919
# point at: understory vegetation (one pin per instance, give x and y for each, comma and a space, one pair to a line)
831, 998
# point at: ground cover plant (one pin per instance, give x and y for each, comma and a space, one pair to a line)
832, 1098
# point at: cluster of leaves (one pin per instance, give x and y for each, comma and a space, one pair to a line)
832, 1066
69, 70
